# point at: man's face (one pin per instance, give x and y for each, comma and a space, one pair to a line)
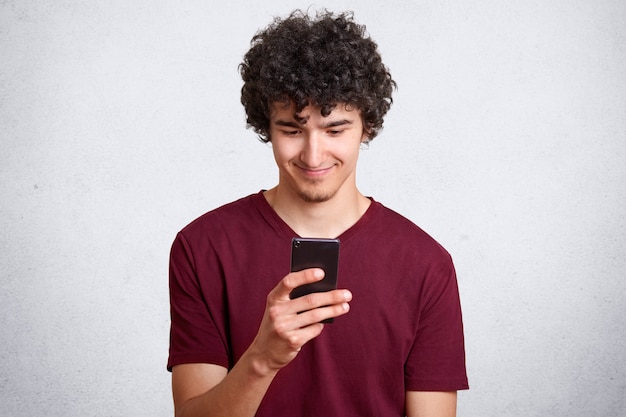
316, 155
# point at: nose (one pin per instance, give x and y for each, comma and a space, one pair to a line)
313, 150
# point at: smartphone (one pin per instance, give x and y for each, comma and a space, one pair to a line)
315, 253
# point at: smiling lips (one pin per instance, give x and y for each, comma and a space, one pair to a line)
314, 173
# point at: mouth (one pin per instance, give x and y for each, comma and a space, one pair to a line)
314, 172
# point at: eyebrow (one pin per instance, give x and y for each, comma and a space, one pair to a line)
286, 123
334, 123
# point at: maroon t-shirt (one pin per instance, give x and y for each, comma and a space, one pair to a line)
404, 330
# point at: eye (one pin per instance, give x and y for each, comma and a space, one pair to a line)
291, 132
335, 132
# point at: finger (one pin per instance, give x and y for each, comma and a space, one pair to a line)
317, 315
296, 279
288, 315
316, 307
299, 337
319, 299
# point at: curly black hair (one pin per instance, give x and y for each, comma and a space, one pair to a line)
322, 60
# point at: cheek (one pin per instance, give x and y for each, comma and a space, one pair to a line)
351, 151
283, 153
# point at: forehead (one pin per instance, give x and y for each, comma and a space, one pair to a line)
281, 110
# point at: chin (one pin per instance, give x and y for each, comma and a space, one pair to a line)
316, 196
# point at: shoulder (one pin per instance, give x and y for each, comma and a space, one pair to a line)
226, 225
402, 234
227, 214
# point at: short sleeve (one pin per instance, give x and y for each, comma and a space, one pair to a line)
195, 334
437, 359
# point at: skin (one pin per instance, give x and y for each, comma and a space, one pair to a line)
316, 196
316, 157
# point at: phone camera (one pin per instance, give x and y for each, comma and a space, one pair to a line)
296, 244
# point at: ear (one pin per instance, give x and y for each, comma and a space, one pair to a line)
365, 137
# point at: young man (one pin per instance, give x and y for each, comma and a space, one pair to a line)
317, 90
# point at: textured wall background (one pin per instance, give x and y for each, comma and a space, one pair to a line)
120, 122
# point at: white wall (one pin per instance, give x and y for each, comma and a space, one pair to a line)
120, 122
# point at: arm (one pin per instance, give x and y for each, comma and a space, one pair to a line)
430, 404
209, 390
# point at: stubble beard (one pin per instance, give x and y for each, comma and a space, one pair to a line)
314, 198
316, 193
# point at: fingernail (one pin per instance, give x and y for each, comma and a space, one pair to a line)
347, 295
345, 306
319, 273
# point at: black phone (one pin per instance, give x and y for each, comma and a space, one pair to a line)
315, 253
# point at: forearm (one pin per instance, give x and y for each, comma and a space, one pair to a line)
238, 394
431, 404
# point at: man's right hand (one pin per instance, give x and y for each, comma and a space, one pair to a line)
288, 324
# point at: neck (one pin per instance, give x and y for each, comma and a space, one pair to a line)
327, 219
